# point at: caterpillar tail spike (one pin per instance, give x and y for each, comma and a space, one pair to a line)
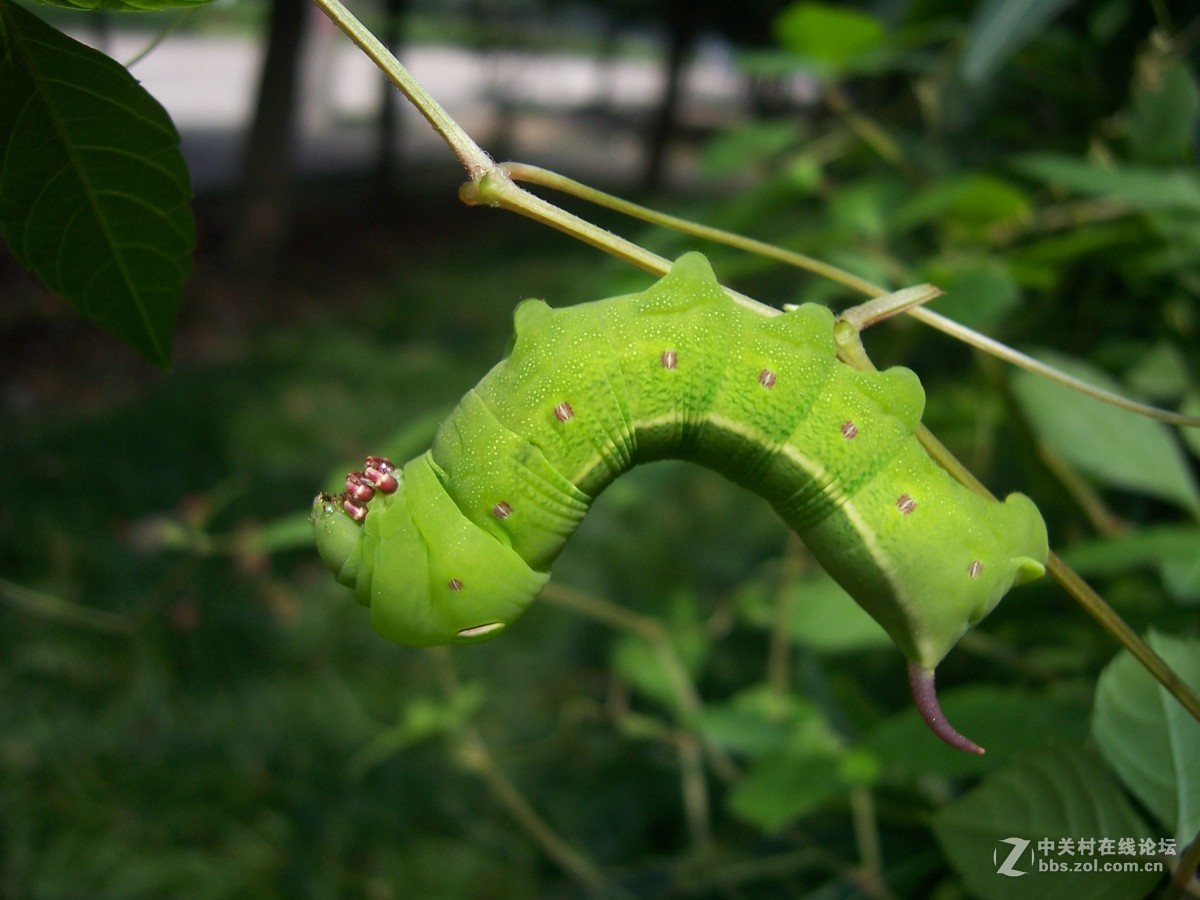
452, 546
921, 680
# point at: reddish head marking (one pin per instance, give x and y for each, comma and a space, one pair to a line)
766, 378
502, 510
669, 359
379, 474
906, 504
358, 488
381, 464
563, 412
849, 430
356, 511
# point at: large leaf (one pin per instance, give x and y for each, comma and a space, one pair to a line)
1149, 739
93, 189
1166, 109
999, 29
782, 787
1141, 187
1117, 447
821, 615
760, 720
1034, 805
1005, 721
830, 38
1173, 549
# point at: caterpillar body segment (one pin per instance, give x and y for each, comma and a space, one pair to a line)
465, 540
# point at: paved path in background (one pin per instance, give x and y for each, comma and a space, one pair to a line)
207, 84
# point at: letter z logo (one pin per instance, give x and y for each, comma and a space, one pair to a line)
1006, 867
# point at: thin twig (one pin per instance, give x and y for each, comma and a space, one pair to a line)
1037, 367
475, 756
866, 837
470, 154
655, 633
56, 609
1185, 870
1086, 497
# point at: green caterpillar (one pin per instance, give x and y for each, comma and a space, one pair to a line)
455, 545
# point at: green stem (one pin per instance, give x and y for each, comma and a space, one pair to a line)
865, 128
864, 314
693, 789
1185, 870
474, 755
474, 159
866, 837
655, 633
1037, 367
56, 609
1095, 605
1086, 497
554, 181
495, 188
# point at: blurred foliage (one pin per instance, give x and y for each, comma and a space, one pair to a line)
190, 707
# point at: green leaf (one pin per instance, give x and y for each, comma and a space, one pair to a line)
979, 292
1004, 721
93, 189
760, 720
1064, 793
1191, 436
1174, 549
1181, 578
738, 149
1151, 741
783, 787
999, 29
1165, 114
653, 670
833, 38
423, 718
1142, 188
1114, 446
1161, 373
821, 615
967, 207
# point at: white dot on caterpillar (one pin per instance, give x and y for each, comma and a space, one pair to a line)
974, 569
502, 510
455, 585
849, 430
906, 504
563, 412
766, 378
669, 359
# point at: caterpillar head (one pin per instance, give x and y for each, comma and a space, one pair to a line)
1014, 536
428, 574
